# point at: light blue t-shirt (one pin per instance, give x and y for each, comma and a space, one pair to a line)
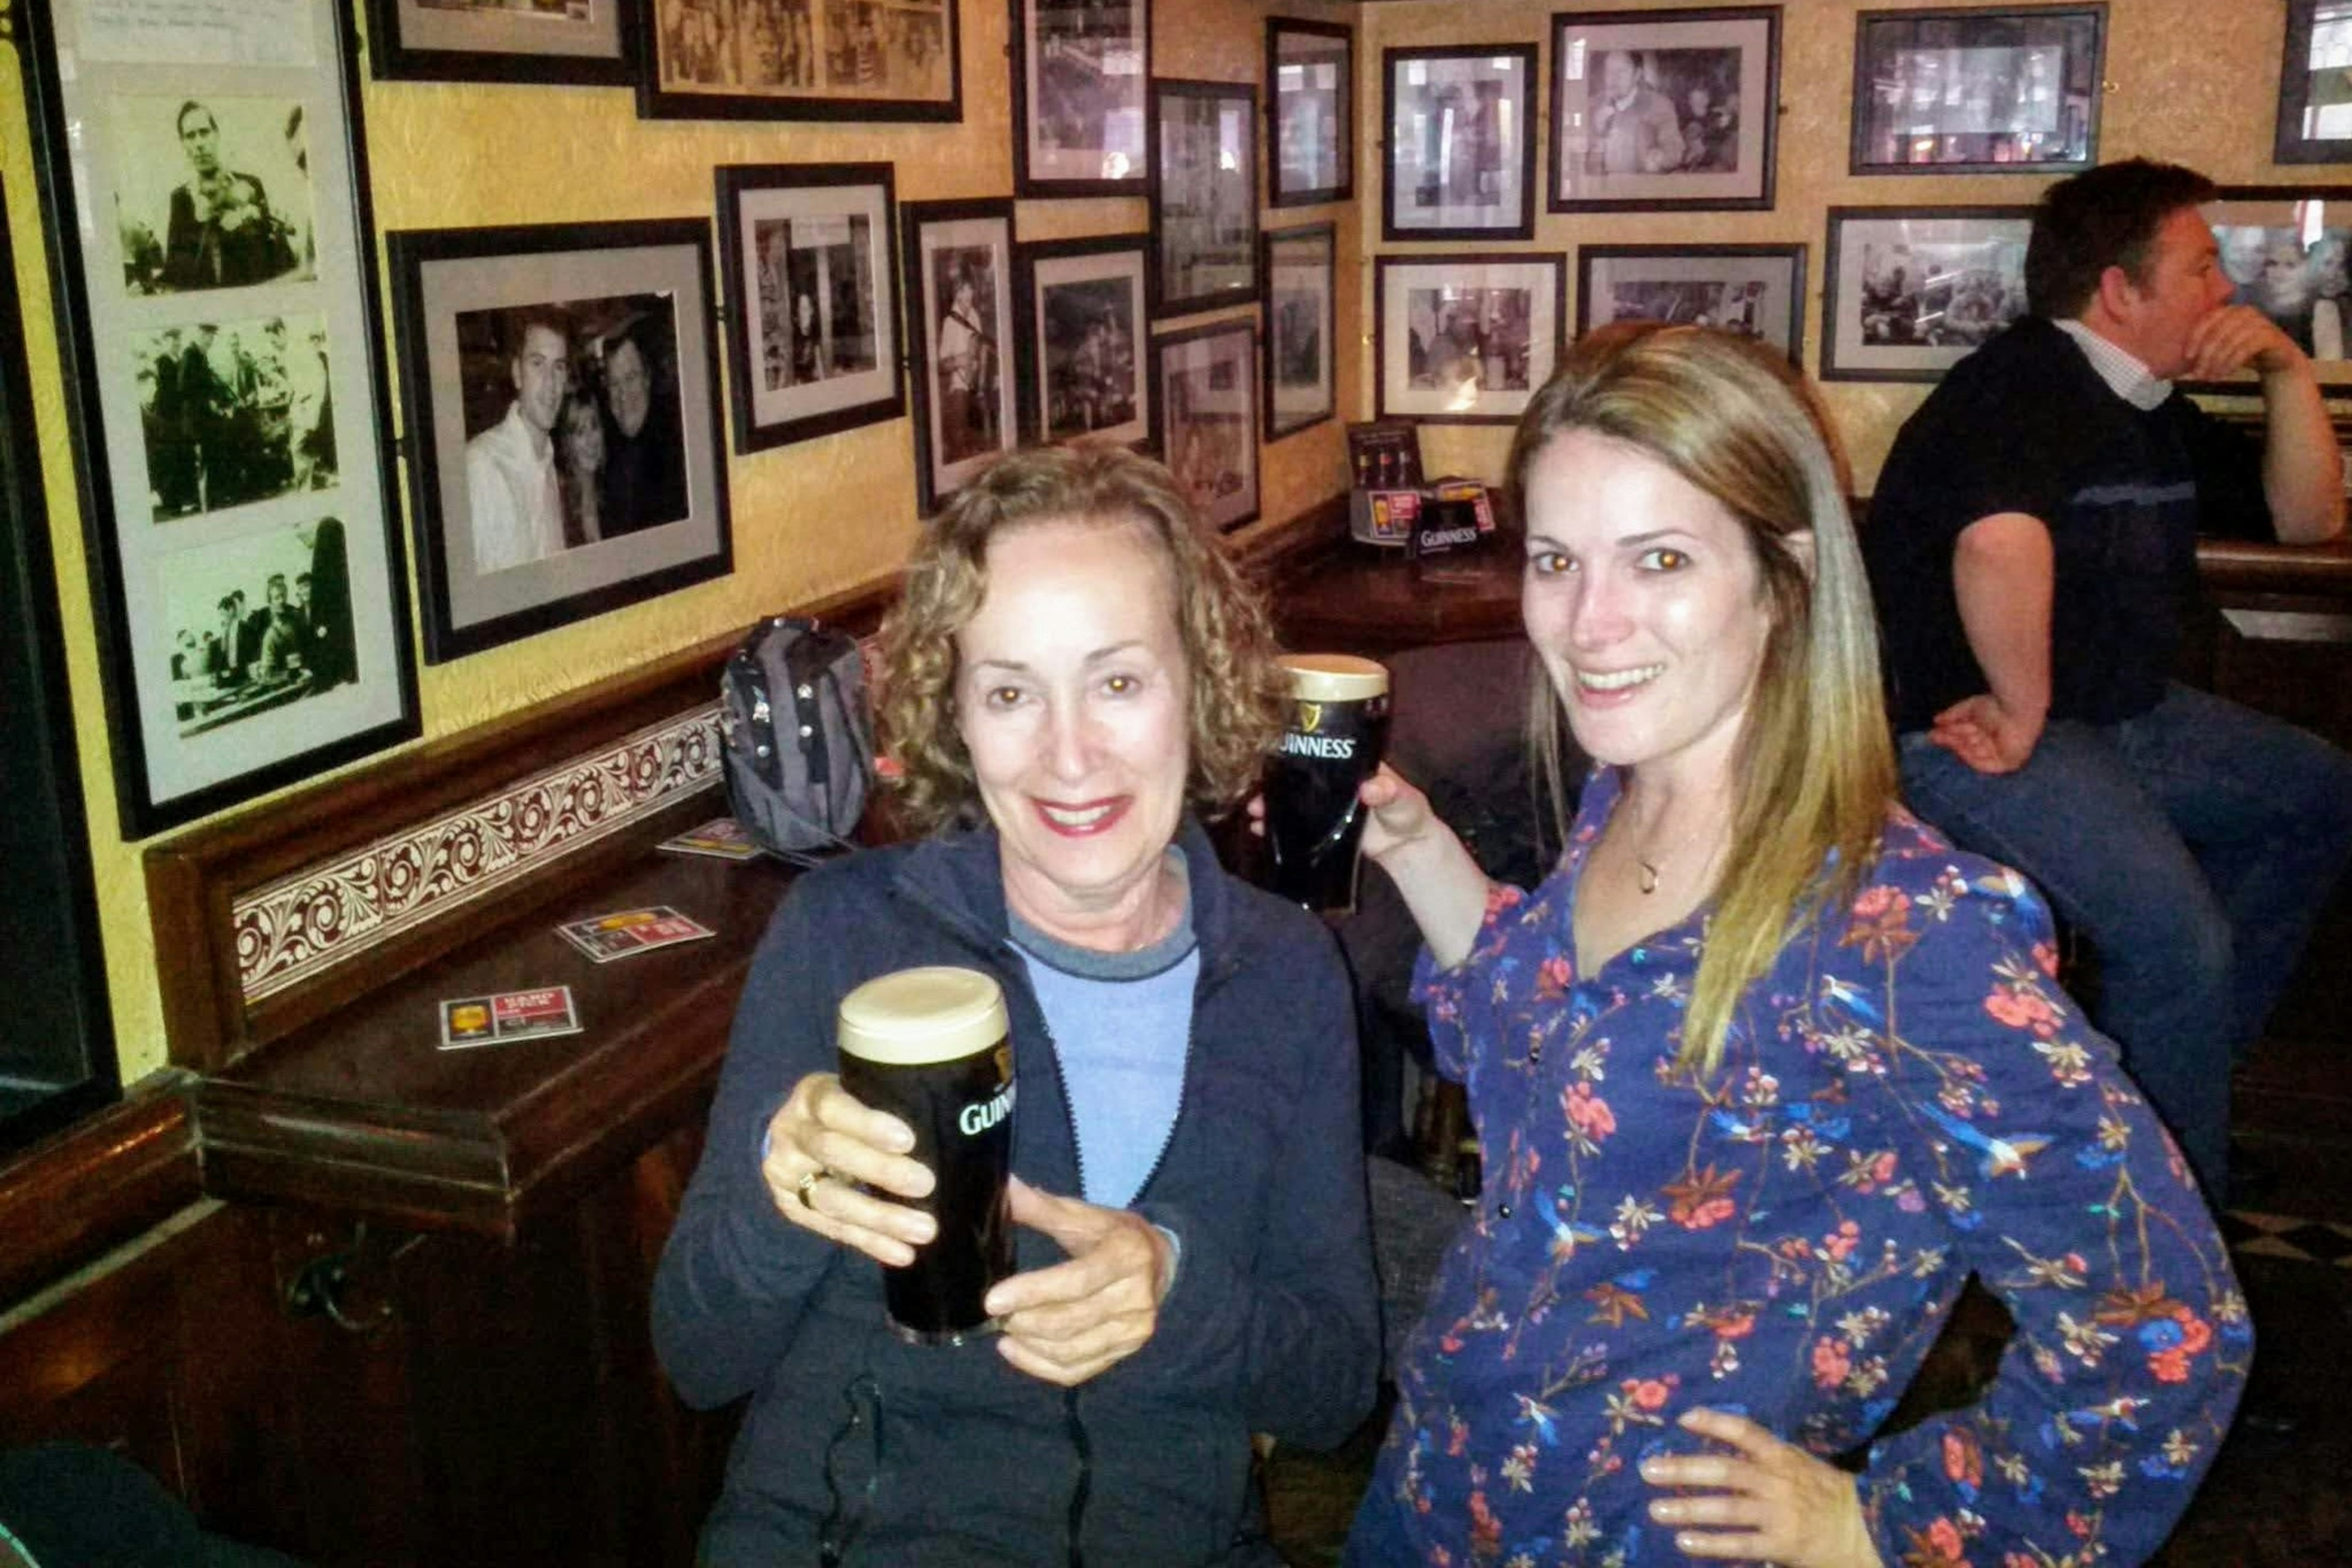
1121, 1024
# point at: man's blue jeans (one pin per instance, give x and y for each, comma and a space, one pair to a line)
2193, 846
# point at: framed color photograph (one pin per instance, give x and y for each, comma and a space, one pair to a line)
797, 59
1664, 110
1083, 311
1081, 75
207, 188
1912, 291
543, 41
1988, 90
813, 325
1461, 160
1310, 110
1204, 382
959, 319
2284, 248
1465, 339
2315, 99
1204, 195
1298, 265
1755, 291
560, 385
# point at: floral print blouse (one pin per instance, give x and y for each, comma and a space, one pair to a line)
1909, 1096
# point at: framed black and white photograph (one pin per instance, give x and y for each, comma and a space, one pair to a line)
1913, 291
797, 59
1465, 339
1755, 291
1664, 110
1081, 99
1204, 382
207, 177
1981, 89
1310, 110
1082, 314
1461, 160
560, 385
542, 41
2314, 95
1299, 266
958, 284
2284, 250
1203, 194
805, 256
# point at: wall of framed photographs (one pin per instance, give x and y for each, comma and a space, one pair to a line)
462, 134
2176, 80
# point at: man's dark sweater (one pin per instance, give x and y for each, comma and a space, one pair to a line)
2026, 425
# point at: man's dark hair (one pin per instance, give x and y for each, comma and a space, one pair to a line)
516, 326
191, 106
2102, 218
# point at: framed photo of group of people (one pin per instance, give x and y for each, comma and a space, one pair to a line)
1465, 339
205, 169
560, 385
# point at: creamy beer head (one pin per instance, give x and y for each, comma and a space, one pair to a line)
1334, 676
918, 1016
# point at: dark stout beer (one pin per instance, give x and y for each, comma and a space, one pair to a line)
1339, 727
930, 1046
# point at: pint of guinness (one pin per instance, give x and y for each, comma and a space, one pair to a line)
1339, 727
932, 1048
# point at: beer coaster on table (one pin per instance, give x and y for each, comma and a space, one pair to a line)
508, 1016
722, 836
604, 938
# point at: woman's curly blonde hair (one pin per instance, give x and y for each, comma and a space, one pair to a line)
1237, 692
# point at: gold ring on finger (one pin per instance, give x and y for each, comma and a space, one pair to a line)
807, 1183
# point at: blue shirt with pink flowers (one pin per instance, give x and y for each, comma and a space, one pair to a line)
1907, 1097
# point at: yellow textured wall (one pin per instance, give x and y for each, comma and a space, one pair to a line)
809, 520
2191, 81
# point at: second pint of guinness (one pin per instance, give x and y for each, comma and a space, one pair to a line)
932, 1048
1339, 727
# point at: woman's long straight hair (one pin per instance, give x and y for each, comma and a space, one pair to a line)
1816, 766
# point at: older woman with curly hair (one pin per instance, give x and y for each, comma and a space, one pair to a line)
1073, 667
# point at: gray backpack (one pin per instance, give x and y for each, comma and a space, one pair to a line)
798, 736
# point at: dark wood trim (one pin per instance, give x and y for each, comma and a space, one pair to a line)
112, 1174
192, 878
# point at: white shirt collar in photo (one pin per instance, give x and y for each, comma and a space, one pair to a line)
2126, 376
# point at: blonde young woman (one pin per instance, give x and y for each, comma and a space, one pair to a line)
1763, 1071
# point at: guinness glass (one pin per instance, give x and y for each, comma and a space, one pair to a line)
932, 1048
1338, 727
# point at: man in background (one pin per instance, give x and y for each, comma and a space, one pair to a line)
643, 484
2033, 547
511, 496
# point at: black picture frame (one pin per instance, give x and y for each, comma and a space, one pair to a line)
1102, 155
1203, 209
787, 381
1713, 72
186, 740
1311, 101
933, 233
2287, 250
1899, 53
2307, 92
1506, 181
57, 1061
1075, 390
1422, 392
453, 290
410, 42
1204, 397
1873, 309
1297, 273
1694, 284
929, 60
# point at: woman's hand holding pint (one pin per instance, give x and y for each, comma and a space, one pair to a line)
824, 1130
1442, 885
